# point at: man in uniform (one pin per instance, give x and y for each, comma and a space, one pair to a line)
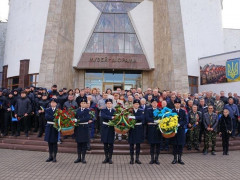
218, 105
154, 134
180, 137
210, 121
81, 131
136, 134
195, 118
107, 132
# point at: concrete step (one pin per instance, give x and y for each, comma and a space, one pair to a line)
69, 145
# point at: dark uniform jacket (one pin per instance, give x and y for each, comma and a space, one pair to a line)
154, 134
107, 132
81, 131
180, 137
51, 133
136, 134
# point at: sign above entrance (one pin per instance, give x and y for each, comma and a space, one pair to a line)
113, 61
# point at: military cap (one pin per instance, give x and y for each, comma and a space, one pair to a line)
108, 100
177, 101
136, 101
152, 100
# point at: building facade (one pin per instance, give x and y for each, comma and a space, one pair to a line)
111, 43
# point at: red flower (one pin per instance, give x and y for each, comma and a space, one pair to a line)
123, 124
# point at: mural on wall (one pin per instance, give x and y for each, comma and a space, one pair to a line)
222, 72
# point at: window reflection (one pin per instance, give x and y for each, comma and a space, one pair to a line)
114, 32
127, 79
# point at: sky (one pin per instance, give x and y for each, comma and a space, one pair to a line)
230, 13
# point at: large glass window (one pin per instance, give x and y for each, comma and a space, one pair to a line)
114, 32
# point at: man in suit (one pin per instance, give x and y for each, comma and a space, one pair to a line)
107, 132
82, 131
180, 138
210, 120
154, 134
136, 135
51, 133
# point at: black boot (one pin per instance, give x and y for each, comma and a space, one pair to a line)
175, 159
180, 159
54, 157
78, 159
131, 159
156, 159
226, 152
106, 160
110, 158
152, 159
137, 159
50, 158
40, 134
83, 158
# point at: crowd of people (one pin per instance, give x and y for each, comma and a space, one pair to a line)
202, 116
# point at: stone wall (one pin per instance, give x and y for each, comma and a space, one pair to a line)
170, 59
56, 65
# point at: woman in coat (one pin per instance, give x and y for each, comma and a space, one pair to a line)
225, 130
51, 133
136, 134
81, 131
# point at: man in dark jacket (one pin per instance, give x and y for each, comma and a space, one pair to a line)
62, 98
81, 96
2, 102
8, 112
234, 114
42, 105
223, 97
23, 109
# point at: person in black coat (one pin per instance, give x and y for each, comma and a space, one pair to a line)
154, 134
22, 111
9, 103
180, 138
62, 98
136, 134
107, 132
42, 105
225, 130
51, 133
81, 131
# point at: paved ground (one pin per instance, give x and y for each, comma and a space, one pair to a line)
31, 165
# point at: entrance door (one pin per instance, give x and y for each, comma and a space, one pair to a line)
117, 85
112, 86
